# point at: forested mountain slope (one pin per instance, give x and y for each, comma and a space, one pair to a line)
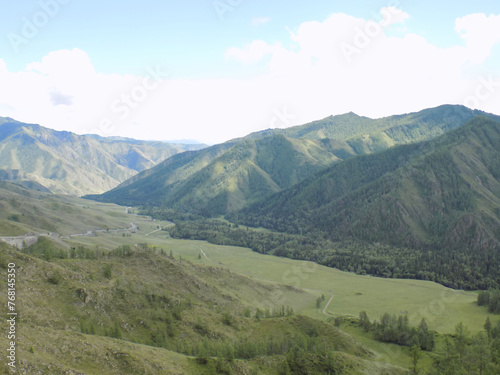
227, 177
442, 195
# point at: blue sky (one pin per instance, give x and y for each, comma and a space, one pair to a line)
229, 67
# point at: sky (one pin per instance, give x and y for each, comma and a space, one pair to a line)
212, 70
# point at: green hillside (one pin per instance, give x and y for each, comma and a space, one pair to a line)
111, 292
67, 163
371, 134
227, 177
126, 307
441, 196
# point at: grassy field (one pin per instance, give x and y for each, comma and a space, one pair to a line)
23, 210
442, 307
139, 295
110, 227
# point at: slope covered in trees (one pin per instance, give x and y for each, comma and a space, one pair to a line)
441, 197
227, 177
442, 193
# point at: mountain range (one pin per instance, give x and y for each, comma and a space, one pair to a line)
228, 177
428, 180
67, 163
439, 193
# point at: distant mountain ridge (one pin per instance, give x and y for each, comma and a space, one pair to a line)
67, 163
227, 177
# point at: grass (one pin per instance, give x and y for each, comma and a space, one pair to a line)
23, 210
139, 296
227, 278
442, 307
56, 352
387, 353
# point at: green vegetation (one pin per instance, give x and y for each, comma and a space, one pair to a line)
397, 330
143, 310
469, 354
45, 249
491, 299
151, 300
428, 211
440, 197
467, 270
112, 292
227, 177
66, 163
42, 212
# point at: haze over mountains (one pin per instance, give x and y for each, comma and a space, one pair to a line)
67, 163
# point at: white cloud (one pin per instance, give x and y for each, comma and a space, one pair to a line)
392, 15
251, 53
480, 33
260, 21
308, 77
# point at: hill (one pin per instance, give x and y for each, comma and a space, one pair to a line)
105, 315
227, 177
132, 308
68, 163
441, 196
133, 300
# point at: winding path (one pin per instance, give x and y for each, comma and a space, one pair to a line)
210, 260
326, 306
157, 230
32, 238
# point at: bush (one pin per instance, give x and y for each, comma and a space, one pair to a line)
227, 319
55, 278
107, 272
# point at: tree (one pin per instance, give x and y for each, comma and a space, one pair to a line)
415, 356
318, 302
483, 298
488, 327
425, 337
479, 355
227, 319
259, 314
229, 355
404, 333
202, 355
462, 338
364, 321
107, 271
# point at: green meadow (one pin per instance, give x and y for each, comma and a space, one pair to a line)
104, 227
442, 307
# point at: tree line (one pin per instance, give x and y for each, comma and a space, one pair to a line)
491, 299
468, 270
397, 330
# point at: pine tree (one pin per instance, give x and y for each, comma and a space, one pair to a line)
425, 337
487, 327
364, 321
415, 356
